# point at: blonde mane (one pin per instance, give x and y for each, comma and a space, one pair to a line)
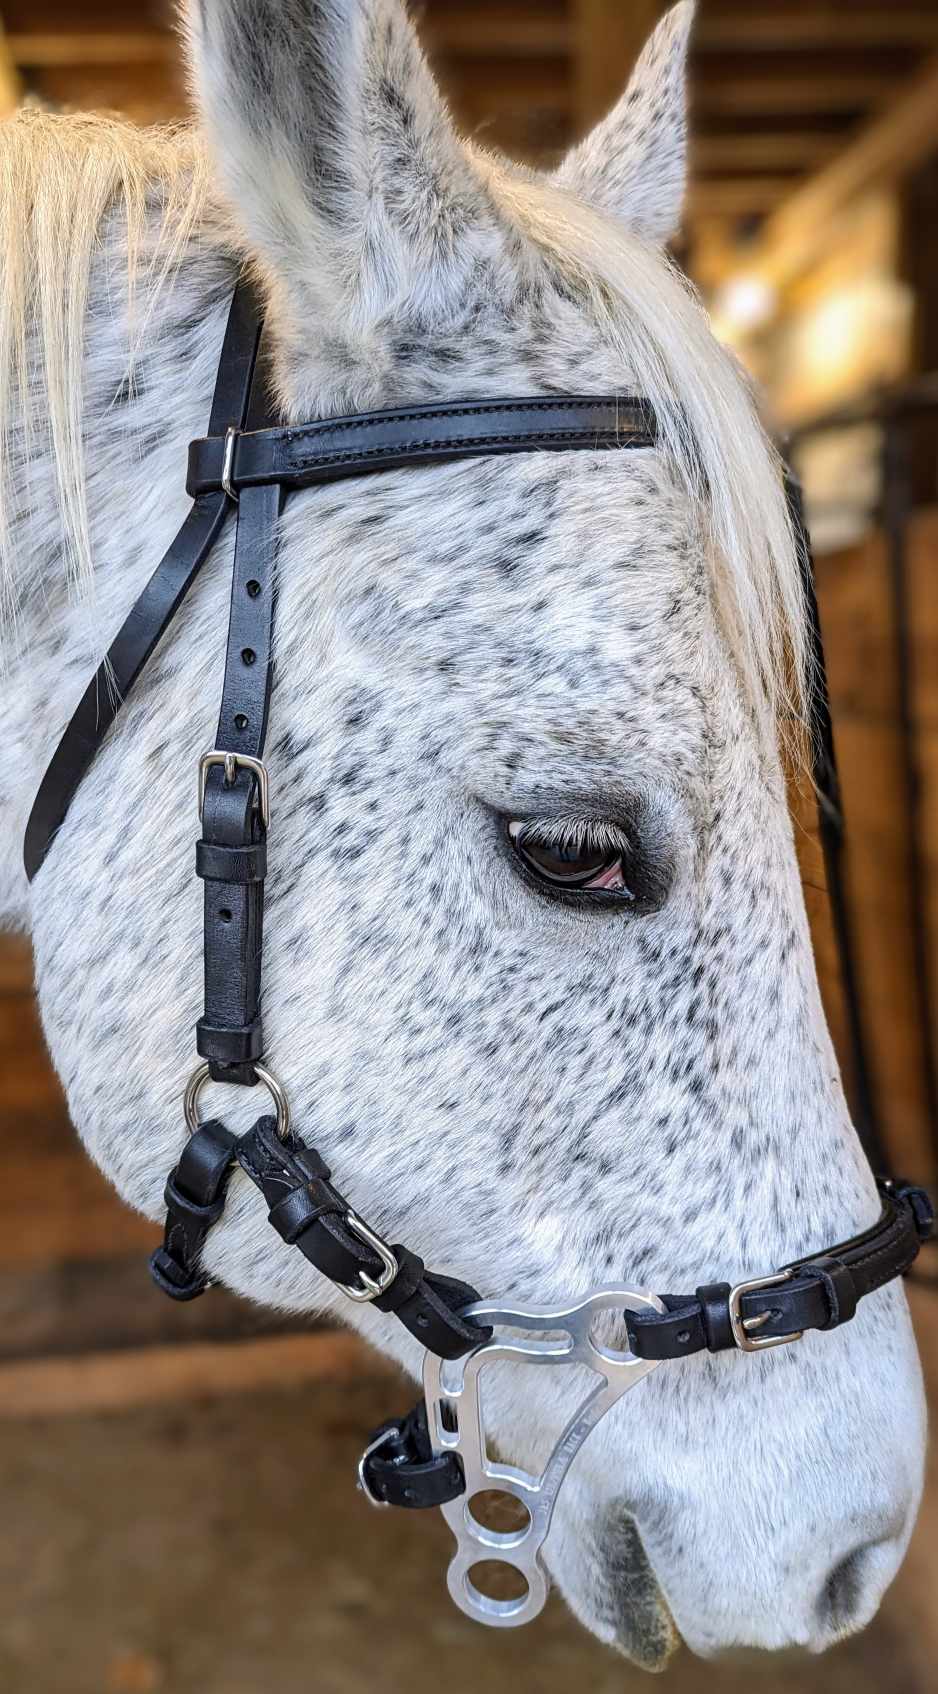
708, 425
60, 177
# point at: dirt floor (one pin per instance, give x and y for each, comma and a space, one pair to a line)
219, 1547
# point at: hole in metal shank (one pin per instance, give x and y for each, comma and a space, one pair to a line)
248, 656
500, 1513
503, 1588
448, 1418
609, 1335
253, 587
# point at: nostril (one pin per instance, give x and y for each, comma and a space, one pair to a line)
842, 1594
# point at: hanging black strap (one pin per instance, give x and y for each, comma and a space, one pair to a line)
157, 605
833, 844
309, 1213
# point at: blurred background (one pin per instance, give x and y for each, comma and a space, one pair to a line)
178, 1508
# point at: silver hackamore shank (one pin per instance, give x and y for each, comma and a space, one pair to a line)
548, 1336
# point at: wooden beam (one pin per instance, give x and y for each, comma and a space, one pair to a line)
609, 36
775, 150
885, 150
757, 88
737, 196
148, 1376
506, 28
812, 25
44, 50
9, 81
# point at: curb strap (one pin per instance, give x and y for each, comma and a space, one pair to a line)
400, 1468
818, 1292
195, 1199
309, 1213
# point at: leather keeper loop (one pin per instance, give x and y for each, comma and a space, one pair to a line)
839, 1287
177, 1281
230, 1046
302, 1207
715, 1312
921, 1207
176, 1201
244, 864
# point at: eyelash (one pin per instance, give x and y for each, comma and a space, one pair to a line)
571, 832
603, 847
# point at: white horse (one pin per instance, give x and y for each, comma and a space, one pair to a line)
597, 647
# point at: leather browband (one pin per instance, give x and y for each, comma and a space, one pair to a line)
298, 456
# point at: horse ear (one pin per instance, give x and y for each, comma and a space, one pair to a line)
335, 152
634, 164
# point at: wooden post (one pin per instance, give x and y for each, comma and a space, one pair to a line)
9, 81
609, 37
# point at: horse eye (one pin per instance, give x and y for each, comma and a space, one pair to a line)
576, 863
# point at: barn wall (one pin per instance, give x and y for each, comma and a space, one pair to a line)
858, 618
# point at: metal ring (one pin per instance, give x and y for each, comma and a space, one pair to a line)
198, 1079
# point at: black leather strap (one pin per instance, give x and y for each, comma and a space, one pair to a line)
400, 1467
309, 1213
299, 455
832, 835
195, 1200
231, 856
157, 605
821, 1293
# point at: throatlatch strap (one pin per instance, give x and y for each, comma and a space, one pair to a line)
309, 1213
158, 604
818, 1292
832, 836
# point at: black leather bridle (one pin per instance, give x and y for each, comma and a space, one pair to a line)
248, 463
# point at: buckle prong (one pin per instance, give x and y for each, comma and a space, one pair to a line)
369, 1287
232, 763
744, 1329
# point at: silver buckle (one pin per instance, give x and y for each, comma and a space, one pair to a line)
233, 763
368, 1287
227, 469
376, 1446
744, 1328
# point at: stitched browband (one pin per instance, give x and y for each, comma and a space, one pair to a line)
248, 463
299, 456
